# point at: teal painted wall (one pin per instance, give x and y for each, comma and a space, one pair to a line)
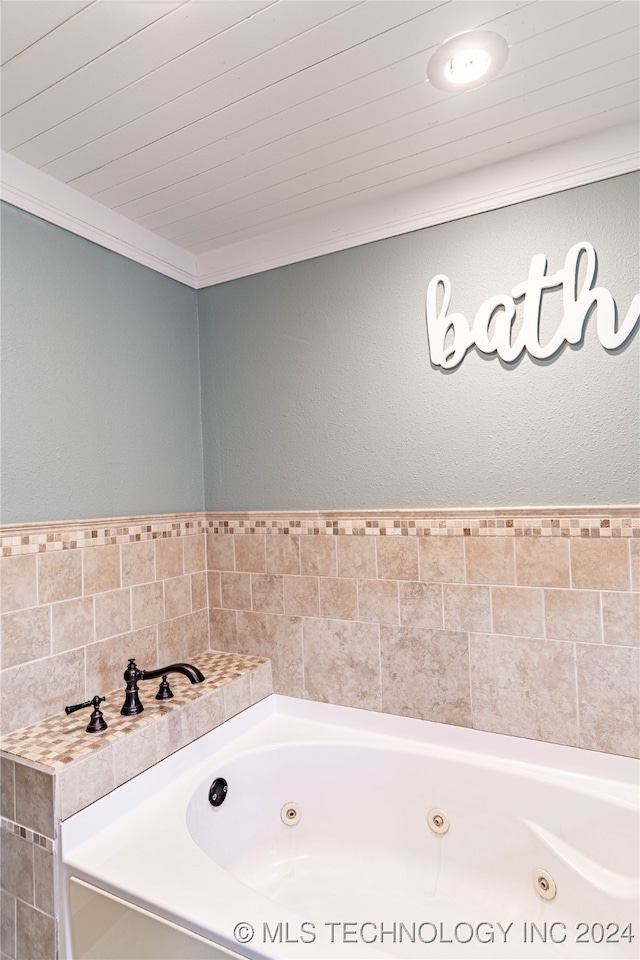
313, 382
100, 381
318, 392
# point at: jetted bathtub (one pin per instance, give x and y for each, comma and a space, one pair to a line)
349, 834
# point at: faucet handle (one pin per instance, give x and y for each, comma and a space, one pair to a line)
96, 721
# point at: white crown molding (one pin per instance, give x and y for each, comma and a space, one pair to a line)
38, 193
552, 169
571, 164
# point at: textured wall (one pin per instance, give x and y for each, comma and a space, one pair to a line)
318, 391
100, 381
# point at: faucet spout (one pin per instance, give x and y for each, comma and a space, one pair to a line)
186, 669
132, 704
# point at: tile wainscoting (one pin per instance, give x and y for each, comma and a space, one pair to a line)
523, 622
519, 622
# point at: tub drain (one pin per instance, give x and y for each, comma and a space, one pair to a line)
290, 814
544, 885
438, 820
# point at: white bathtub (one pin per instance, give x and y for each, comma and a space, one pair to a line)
360, 873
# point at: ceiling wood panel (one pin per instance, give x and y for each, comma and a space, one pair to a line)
167, 39
210, 122
383, 124
23, 24
94, 30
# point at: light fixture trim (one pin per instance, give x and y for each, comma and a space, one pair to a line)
467, 60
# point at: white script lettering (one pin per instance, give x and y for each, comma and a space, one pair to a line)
451, 335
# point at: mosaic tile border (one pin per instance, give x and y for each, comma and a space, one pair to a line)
25, 538
29, 835
19, 539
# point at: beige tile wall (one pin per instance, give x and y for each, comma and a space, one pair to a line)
72, 616
533, 632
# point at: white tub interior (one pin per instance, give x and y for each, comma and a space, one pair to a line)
362, 859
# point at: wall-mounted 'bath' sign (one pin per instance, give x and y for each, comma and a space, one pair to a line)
492, 330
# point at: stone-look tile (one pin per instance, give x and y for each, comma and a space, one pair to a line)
7, 789
425, 674
237, 696
542, 563
169, 562
235, 591
573, 615
338, 598
220, 555
397, 558
147, 604
466, 607
524, 688
26, 635
421, 605
112, 612
634, 556
100, 568
250, 551
138, 562
16, 870
441, 559
58, 680
199, 591
72, 624
342, 663
222, 630
490, 560
59, 575
174, 731
182, 638
518, 611
207, 713
267, 593
283, 554
18, 583
213, 588
107, 660
177, 597
261, 681
34, 799
621, 618
194, 553
134, 753
44, 880
600, 564
8, 924
279, 639
357, 557
301, 596
35, 933
378, 601
318, 556
84, 781
608, 692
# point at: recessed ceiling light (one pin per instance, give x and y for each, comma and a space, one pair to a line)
468, 60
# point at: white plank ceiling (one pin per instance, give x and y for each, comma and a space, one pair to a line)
209, 122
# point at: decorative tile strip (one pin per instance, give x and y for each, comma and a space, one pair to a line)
585, 522
29, 835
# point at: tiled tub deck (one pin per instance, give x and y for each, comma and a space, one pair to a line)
55, 768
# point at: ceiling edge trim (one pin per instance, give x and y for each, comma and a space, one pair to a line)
561, 167
36, 192
574, 163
